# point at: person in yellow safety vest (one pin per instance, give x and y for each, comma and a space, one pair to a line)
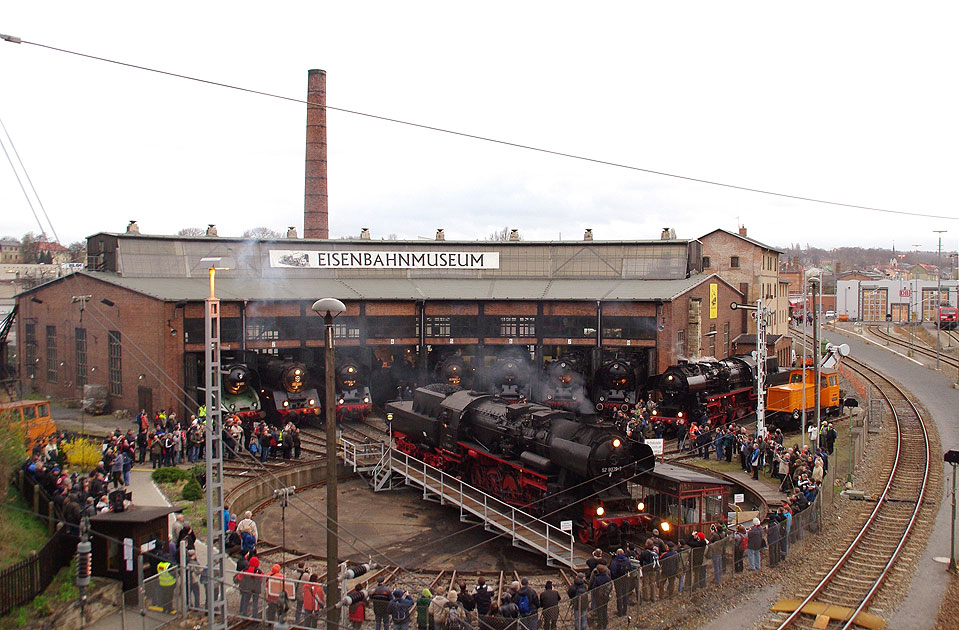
201, 413
167, 580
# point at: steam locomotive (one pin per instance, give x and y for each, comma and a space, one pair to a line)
615, 386
353, 400
286, 390
564, 384
711, 391
542, 460
238, 392
453, 370
509, 378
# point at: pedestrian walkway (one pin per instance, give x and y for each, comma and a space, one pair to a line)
766, 491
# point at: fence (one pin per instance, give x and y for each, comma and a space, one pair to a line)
28, 578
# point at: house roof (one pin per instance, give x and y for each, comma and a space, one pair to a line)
293, 288
751, 241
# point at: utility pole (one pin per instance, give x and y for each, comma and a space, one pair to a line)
805, 334
817, 302
762, 317
215, 531
938, 297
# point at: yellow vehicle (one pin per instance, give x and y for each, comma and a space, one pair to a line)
33, 416
795, 395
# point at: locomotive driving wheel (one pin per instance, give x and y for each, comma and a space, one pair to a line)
584, 533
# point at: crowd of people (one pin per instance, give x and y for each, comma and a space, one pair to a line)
612, 582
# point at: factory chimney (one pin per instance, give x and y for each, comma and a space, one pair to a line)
316, 218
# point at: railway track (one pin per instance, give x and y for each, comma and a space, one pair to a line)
918, 346
859, 573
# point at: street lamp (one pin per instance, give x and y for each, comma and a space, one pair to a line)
329, 308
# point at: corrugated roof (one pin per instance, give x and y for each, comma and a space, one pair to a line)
177, 289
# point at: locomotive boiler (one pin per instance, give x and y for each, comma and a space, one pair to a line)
286, 390
543, 460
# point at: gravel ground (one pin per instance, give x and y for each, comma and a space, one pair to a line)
949, 612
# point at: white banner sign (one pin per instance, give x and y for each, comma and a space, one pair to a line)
656, 444
739, 498
566, 526
379, 259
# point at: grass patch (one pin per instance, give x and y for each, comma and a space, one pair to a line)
20, 532
193, 511
61, 593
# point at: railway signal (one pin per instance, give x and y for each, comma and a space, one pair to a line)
952, 457
761, 313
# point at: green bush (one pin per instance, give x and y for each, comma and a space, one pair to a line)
170, 474
192, 490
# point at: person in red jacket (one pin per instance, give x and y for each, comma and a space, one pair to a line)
357, 607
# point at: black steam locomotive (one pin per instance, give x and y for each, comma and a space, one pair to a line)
615, 386
453, 370
353, 400
542, 460
564, 384
286, 391
509, 377
712, 392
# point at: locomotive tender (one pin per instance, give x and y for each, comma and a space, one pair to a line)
542, 460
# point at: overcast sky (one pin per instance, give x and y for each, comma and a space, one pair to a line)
852, 102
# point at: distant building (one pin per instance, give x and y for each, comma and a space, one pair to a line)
10, 252
53, 253
753, 268
923, 272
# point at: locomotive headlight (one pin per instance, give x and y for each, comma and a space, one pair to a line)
664, 526
640, 506
655, 412
617, 442
286, 403
297, 372
669, 378
602, 398
340, 401
600, 511
351, 369
679, 415
312, 402
366, 399
232, 407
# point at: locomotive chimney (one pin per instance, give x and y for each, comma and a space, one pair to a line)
440, 234
316, 220
588, 236
514, 234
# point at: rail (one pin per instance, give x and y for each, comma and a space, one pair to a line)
874, 515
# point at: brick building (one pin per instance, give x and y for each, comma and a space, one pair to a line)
408, 303
753, 268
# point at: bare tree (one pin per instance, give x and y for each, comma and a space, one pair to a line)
262, 233
191, 231
78, 251
500, 235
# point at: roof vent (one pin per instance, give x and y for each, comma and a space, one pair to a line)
588, 236
668, 234
211, 230
440, 234
133, 228
514, 234
291, 232
365, 234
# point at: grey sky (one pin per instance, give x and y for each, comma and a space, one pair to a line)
852, 102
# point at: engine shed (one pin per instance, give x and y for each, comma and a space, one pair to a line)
682, 501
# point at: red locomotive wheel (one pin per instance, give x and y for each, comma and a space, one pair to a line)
584, 534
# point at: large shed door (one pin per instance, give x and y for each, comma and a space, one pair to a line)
874, 305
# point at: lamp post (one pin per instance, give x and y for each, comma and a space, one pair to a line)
938, 296
329, 308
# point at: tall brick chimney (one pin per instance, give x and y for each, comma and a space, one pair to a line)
742, 228
316, 210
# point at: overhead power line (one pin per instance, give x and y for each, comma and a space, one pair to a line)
29, 181
463, 134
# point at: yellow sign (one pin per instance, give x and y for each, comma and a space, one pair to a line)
713, 301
